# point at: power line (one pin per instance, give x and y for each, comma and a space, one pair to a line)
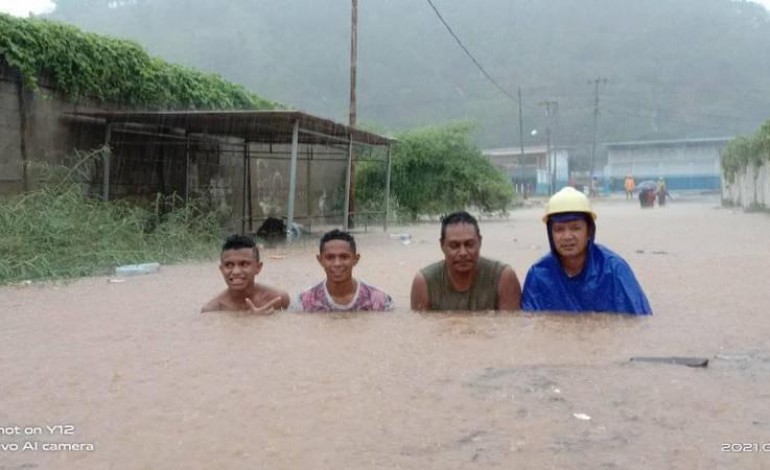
468, 53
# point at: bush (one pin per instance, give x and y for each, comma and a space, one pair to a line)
434, 171
744, 151
59, 231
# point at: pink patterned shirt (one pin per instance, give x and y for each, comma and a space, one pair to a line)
367, 298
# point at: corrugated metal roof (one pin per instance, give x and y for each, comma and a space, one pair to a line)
663, 143
253, 126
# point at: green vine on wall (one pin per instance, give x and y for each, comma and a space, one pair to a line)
743, 151
112, 70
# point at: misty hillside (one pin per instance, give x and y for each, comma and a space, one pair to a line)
673, 68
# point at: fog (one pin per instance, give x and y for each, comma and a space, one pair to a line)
668, 69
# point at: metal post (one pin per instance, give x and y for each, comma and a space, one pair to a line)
243, 191
187, 168
548, 158
353, 54
551, 108
292, 177
106, 169
387, 192
247, 150
346, 215
23, 137
350, 201
521, 128
308, 192
592, 162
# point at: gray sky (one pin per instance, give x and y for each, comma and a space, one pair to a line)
23, 7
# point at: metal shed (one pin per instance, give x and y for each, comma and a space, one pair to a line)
240, 131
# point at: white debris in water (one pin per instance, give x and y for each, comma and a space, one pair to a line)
581, 416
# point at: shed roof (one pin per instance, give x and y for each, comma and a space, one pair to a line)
252, 126
669, 143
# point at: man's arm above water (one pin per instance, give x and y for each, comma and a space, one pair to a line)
419, 296
508, 290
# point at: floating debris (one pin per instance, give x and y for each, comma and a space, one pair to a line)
685, 361
582, 416
136, 269
733, 357
404, 238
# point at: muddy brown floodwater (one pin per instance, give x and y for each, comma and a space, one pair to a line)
133, 369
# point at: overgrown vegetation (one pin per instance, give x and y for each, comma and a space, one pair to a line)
743, 151
112, 70
436, 170
59, 231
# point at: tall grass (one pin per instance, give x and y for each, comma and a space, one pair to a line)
60, 231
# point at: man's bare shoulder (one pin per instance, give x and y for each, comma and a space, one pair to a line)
218, 303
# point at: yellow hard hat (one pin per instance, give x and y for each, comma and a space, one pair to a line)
568, 199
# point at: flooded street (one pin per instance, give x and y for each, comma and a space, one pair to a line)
152, 384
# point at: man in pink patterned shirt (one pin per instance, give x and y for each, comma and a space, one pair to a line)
341, 292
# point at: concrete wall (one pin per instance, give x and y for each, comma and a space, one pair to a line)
750, 190
321, 174
32, 130
10, 138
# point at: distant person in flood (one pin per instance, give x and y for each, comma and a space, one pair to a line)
239, 264
340, 291
630, 186
662, 192
464, 280
647, 194
579, 275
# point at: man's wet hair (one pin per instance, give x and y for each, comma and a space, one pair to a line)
460, 217
337, 234
236, 242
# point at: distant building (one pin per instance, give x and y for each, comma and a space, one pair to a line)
529, 173
685, 164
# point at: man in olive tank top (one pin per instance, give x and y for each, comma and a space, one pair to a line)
464, 280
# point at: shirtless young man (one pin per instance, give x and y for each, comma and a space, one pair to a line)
239, 265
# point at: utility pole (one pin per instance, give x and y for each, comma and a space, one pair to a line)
596, 82
551, 109
353, 55
521, 127
521, 138
352, 116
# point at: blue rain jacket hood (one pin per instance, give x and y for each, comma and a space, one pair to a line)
606, 284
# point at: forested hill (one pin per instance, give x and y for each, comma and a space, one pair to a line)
673, 68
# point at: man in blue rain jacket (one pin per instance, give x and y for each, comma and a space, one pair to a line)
579, 275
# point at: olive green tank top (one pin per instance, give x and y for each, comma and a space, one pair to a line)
482, 294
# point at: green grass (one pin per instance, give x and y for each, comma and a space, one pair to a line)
58, 231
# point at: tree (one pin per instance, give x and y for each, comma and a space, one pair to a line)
437, 170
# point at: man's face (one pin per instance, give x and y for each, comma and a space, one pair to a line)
338, 260
461, 247
239, 267
570, 238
